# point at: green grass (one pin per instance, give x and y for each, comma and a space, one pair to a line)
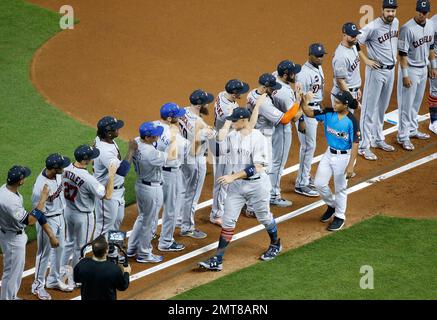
31, 129
401, 252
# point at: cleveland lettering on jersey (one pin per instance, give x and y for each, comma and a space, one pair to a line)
422, 41
355, 64
388, 36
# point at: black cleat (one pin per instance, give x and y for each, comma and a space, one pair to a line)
328, 214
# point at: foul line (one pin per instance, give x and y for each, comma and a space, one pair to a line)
280, 219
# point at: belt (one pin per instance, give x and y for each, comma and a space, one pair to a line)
119, 187
354, 89
419, 67
149, 183
16, 232
170, 169
334, 151
54, 215
388, 67
253, 179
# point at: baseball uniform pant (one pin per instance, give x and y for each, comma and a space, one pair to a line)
109, 213
193, 179
307, 148
45, 253
378, 88
79, 226
149, 203
409, 101
281, 143
219, 191
333, 165
14, 254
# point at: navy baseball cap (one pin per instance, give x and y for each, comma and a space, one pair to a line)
288, 67
110, 123
17, 173
86, 152
150, 129
200, 97
268, 80
389, 4
346, 98
238, 114
317, 49
56, 161
172, 110
236, 86
351, 29
423, 6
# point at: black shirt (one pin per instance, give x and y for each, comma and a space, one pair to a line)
100, 279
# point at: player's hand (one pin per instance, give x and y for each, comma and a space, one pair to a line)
209, 133
45, 192
224, 180
112, 169
133, 145
433, 73
308, 97
407, 82
372, 64
350, 172
54, 242
301, 127
359, 95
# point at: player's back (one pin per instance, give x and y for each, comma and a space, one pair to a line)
148, 162
222, 108
108, 152
12, 213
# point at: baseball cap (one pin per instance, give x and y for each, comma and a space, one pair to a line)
423, 6
317, 49
346, 98
17, 173
56, 161
351, 29
199, 97
150, 129
110, 123
171, 109
389, 4
236, 86
239, 113
289, 67
86, 152
268, 80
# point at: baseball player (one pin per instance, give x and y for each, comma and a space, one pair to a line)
148, 162
416, 45
311, 78
225, 103
110, 212
380, 37
346, 64
13, 220
283, 99
196, 131
54, 213
432, 98
342, 134
246, 151
81, 189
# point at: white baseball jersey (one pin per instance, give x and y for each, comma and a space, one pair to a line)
284, 98
81, 189
187, 125
417, 41
163, 144
381, 40
433, 82
109, 153
12, 212
243, 151
346, 65
222, 108
268, 117
148, 162
55, 203
311, 78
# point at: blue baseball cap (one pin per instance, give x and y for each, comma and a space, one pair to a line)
288, 67
423, 6
351, 29
236, 86
171, 109
268, 80
86, 152
150, 129
109, 123
200, 97
17, 173
317, 49
238, 114
389, 4
56, 161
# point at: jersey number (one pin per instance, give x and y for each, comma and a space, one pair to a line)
70, 192
316, 88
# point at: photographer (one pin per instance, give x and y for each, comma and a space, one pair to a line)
100, 278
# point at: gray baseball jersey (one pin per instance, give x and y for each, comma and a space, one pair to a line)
187, 126
268, 117
55, 203
81, 189
222, 108
433, 82
148, 162
346, 65
417, 41
381, 40
284, 98
109, 153
12, 212
312, 78
163, 144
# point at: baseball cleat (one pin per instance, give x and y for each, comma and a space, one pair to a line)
173, 247
433, 127
382, 145
216, 221
59, 285
282, 203
312, 184
306, 191
150, 258
421, 136
195, 234
131, 254
328, 214
367, 154
336, 224
249, 213
407, 145
41, 294
272, 251
213, 264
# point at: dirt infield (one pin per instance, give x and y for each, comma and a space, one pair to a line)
127, 58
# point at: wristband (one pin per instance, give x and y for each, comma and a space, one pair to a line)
250, 171
39, 215
404, 73
434, 64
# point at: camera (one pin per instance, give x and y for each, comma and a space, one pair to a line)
116, 239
